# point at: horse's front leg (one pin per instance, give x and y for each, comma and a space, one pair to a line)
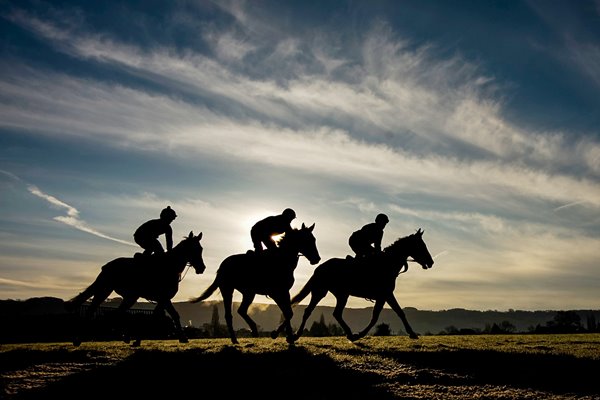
339, 311
279, 329
170, 308
247, 299
396, 307
374, 317
285, 304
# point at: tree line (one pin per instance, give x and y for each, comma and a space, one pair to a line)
562, 322
44, 319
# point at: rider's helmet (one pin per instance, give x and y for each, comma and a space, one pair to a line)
382, 219
168, 213
289, 214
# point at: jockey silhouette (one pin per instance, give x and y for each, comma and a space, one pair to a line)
262, 231
147, 234
367, 240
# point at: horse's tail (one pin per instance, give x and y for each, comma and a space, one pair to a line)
305, 291
75, 302
100, 282
208, 292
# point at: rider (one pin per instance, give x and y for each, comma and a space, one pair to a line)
147, 234
367, 240
262, 231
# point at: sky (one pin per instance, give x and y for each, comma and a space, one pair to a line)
476, 121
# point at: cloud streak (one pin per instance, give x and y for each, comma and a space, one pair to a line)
72, 218
395, 89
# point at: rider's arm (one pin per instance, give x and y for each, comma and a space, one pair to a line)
169, 237
378, 238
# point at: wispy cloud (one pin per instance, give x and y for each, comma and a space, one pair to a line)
395, 89
30, 284
72, 218
137, 120
10, 175
575, 203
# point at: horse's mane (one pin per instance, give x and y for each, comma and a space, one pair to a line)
398, 243
282, 238
185, 238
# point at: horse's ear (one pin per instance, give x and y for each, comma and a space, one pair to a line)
420, 232
191, 235
199, 236
303, 226
312, 227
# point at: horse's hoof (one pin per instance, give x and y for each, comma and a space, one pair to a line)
274, 334
76, 342
354, 337
136, 343
183, 340
126, 339
290, 339
413, 336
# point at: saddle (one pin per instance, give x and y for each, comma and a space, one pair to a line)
363, 260
148, 260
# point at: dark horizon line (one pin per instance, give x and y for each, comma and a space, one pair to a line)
257, 303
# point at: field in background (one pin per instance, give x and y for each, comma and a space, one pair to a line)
396, 367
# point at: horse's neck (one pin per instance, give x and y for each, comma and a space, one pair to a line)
397, 253
174, 259
289, 254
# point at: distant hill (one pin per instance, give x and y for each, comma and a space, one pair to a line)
267, 316
48, 312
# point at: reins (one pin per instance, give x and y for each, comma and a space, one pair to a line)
405, 266
187, 268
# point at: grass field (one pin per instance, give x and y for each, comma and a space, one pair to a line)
432, 367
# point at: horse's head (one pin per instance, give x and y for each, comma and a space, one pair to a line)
193, 252
418, 250
304, 240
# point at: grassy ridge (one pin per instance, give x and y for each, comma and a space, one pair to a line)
444, 367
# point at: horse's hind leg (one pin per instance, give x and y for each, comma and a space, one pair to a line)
100, 294
339, 311
168, 306
374, 317
315, 298
247, 299
396, 307
285, 304
227, 294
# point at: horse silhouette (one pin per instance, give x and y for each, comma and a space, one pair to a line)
152, 277
372, 278
270, 273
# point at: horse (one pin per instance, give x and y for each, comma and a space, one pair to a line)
270, 273
152, 277
372, 278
